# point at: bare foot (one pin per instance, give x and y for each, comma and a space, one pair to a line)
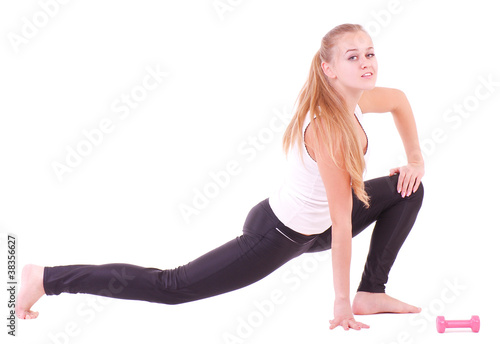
31, 291
372, 303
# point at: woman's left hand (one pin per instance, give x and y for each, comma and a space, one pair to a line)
409, 177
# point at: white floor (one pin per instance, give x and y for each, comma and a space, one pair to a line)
143, 132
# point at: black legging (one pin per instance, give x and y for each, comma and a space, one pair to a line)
265, 245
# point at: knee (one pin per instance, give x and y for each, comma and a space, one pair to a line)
418, 196
420, 191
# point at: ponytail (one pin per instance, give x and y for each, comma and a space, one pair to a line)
319, 99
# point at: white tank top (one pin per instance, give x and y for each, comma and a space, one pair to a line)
301, 203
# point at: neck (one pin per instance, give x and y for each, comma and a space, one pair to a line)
352, 100
351, 97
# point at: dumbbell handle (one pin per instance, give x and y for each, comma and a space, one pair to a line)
442, 324
457, 323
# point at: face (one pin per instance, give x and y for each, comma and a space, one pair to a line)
354, 65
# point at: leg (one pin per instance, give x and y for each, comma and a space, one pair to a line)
394, 217
383, 195
255, 254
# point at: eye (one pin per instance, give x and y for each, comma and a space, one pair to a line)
353, 58
370, 55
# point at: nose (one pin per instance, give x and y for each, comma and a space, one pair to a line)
365, 63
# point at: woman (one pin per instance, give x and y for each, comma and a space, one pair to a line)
322, 204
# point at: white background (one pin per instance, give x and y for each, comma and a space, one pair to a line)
228, 75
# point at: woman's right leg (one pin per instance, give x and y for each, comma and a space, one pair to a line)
240, 262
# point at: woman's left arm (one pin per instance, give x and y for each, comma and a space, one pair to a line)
391, 100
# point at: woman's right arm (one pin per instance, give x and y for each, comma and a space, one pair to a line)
339, 193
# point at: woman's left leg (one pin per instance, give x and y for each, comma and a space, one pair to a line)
394, 217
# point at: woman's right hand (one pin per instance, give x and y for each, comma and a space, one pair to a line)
343, 317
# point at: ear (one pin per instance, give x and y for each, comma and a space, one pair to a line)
328, 70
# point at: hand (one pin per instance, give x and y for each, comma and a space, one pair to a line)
345, 318
409, 178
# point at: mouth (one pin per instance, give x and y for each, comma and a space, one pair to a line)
367, 75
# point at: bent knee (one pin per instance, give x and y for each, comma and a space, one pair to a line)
417, 197
420, 192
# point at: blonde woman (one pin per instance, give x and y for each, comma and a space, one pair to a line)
321, 205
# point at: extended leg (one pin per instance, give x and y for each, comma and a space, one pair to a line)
242, 261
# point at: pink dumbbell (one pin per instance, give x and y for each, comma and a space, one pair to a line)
442, 324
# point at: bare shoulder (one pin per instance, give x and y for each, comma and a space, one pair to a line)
315, 147
381, 99
310, 138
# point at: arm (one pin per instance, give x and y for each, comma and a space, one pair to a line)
391, 100
338, 188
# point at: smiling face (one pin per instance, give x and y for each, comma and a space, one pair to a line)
353, 67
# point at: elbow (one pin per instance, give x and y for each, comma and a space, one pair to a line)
341, 221
340, 225
401, 100
341, 233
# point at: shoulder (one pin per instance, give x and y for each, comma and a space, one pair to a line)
310, 137
381, 99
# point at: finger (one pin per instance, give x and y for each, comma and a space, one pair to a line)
356, 326
411, 185
400, 181
404, 188
359, 325
333, 324
351, 323
393, 171
364, 325
405, 184
417, 183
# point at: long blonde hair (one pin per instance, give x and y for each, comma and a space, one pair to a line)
338, 125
